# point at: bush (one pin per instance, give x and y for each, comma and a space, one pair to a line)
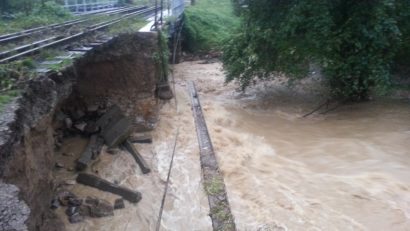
353, 41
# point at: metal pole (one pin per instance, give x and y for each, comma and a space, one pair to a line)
155, 19
162, 7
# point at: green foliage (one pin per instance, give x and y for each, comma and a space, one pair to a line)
208, 24
12, 74
353, 41
402, 59
161, 57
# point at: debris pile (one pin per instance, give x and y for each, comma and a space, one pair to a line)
108, 127
77, 208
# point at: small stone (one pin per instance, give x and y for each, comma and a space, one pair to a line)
68, 123
68, 154
75, 202
64, 196
80, 126
55, 203
71, 210
70, 182
119, 204
70, 169
76, 218
59, 165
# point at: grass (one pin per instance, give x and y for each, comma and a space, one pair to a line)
214, 186
7, 97
127, 26
208, 24
220, 212
50, 13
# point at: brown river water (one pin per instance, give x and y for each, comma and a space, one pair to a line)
346, 170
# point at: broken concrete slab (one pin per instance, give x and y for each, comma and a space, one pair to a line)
104, 185
137, 156
91, 151
96, 207
112, 114
118, 132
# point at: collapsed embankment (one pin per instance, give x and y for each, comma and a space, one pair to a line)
121, 72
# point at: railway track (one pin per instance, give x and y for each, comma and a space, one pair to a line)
55, 41
12, 37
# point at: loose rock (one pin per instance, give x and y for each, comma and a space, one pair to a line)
54, 203
68, 123
99, 207
80, 126
64, 197
76, 218
119, 204
59, 165
71, 210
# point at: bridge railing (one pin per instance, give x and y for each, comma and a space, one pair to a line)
78, 6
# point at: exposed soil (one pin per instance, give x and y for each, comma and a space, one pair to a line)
31, 127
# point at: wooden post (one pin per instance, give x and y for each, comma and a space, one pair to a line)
137, 156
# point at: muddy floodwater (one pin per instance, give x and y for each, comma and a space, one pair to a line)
346, 170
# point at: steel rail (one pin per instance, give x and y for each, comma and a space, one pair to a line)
65, 40
27, 46
21, 34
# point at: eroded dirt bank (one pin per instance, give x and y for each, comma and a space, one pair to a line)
122, 72
347, 170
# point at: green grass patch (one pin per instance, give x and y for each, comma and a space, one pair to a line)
127, 26
7, 97
214, 186
208, 24
49, 13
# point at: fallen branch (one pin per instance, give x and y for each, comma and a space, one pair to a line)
318, 108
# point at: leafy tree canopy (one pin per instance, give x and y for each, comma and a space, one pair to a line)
353, 41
